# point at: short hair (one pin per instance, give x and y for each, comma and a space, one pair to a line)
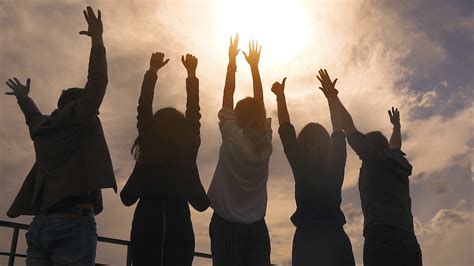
69, 95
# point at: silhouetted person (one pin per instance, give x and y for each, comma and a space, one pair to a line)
63, 189
318, 162
384, 191
165, 177
238, 192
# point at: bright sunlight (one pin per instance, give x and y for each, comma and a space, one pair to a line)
279, 25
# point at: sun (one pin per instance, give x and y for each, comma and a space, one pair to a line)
279, 25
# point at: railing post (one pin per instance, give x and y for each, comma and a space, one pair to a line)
129, 256
11, 258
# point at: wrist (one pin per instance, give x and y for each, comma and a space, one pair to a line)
280, 96
21, 96
97, 40
192, 73
396, 127
254, 67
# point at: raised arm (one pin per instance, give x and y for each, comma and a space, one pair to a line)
396, 138
253, 58
28, 107
279, 90
328, 88
88, 105
229, 87
193, 116
145, 108
344, 116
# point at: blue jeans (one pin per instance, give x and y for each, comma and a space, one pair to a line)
55, 240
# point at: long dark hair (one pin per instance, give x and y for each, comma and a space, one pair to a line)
254, 128
167, 139
316, 143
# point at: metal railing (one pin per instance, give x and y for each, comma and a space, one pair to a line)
18, 226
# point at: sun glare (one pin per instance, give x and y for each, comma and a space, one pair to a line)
279, 25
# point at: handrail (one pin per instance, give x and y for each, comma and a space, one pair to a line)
19, 226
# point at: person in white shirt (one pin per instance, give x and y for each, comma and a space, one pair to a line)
238, 191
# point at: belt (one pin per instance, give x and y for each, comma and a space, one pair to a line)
72, 212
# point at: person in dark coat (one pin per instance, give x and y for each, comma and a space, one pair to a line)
384, 191
317, 160
165, 177
63, 188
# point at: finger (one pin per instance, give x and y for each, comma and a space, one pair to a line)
10, 85
85, 15
334, 83
10, 93
182, 59
84, 32
165, 62
245, 55
283, 82
28, 82
90, 11
325, 71
321, 88
319, 79
250, 46
238, 50
18, 83
260, 50
99, 15
230, 43
389, 114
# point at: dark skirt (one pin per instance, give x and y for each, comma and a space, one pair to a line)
236, 244
162, 234
324, 245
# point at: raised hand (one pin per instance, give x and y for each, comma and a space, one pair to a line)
18, 89
233, 48
156, 61
190, 62
254, 53
95, 28
394, 116
279, 88
328, 86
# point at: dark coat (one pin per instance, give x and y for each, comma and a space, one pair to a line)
72, 157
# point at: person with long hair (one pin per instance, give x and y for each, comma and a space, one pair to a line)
165, 177
384, 190
238, 191
317, 160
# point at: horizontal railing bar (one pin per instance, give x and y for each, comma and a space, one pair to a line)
16, 255
103, 239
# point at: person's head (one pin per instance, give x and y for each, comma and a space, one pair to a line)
245, 113
169, 134
69, 95
315, 141
378, 141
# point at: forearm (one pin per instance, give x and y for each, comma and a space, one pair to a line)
229, 87
29, 108
396, 138
145, 102
335, 114
257, 84
97, 41
346, 119
283, 115
192, 103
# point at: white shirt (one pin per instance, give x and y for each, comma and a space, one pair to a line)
238, 191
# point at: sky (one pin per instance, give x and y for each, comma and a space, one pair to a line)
415, 55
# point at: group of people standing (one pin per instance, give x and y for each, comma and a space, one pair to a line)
73, 165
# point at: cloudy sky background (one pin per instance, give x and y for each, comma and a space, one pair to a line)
417, 55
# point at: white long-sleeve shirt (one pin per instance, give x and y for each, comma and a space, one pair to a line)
238, 191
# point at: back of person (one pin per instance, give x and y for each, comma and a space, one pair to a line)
165, 177
317, 160
238, 191
384, 191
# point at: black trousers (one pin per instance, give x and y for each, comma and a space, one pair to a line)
324, 245
390, 246
235, 244
162, 235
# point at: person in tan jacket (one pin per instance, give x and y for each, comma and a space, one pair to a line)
73, 164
